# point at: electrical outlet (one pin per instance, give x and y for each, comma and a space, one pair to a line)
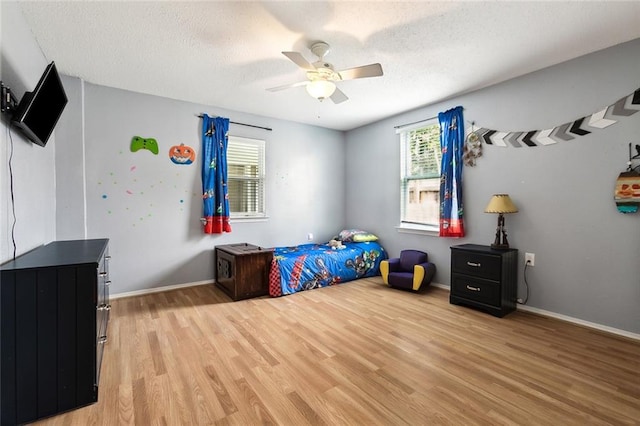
530, 259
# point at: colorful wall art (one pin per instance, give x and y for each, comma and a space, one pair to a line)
627, 194
150, 144
182, 154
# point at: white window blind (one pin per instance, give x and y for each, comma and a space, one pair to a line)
420, 159
246, 175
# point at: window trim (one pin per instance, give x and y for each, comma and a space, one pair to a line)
414, 228
406, 226
245, 216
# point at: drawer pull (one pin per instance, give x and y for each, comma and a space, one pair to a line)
473, 288
102, 340
475, 265
104, 307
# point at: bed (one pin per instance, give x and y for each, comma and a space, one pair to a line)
309, 266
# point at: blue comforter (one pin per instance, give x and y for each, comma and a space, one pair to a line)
309, 266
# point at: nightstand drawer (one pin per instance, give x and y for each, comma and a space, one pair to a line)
475, 289
484, 278
477, 264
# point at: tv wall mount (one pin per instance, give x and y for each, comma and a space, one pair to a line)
8, 103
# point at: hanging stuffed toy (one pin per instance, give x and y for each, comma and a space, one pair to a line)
472, 148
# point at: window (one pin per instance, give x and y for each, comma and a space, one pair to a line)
245, 173
420, 158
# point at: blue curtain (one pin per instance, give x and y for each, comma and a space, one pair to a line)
214, 175
452, 144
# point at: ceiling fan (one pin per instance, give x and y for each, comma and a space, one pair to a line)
322, 78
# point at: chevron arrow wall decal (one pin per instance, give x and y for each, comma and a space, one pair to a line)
498, 139
487, 137
560, 133
512, 138
598, 121
633, 101
576, 130
602, 119
544, 137
521, 138
528, 138
619, 109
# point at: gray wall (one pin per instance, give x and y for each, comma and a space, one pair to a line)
587, 253
21, 65
71, 217
150, 208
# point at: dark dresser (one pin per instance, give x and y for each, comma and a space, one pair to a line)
242, 270
54, 310
484, 278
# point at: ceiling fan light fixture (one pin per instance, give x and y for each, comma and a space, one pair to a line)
322, 77
321, 89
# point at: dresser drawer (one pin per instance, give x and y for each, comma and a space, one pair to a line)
479, 265
476, 289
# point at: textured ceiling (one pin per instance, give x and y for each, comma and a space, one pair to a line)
226, 54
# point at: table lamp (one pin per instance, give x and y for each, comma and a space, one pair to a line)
501, 204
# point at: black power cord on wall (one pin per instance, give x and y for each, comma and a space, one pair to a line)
13, 201
526, 284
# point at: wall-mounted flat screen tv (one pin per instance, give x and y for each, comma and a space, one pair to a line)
39, 111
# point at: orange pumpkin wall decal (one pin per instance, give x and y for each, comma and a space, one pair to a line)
182, 154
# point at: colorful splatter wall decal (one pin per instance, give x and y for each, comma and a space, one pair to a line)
182, 154
118, 188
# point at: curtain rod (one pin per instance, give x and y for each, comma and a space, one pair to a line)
415, 122
243, 124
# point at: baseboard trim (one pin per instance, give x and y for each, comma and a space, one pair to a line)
443, 286
577, 321
158, 289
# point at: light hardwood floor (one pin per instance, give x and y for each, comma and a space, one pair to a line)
354, 354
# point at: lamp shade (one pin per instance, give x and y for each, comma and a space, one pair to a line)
321, 89
501, 203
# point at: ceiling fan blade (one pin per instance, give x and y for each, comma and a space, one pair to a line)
288, 86
299, 60
338, 96
371, 70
